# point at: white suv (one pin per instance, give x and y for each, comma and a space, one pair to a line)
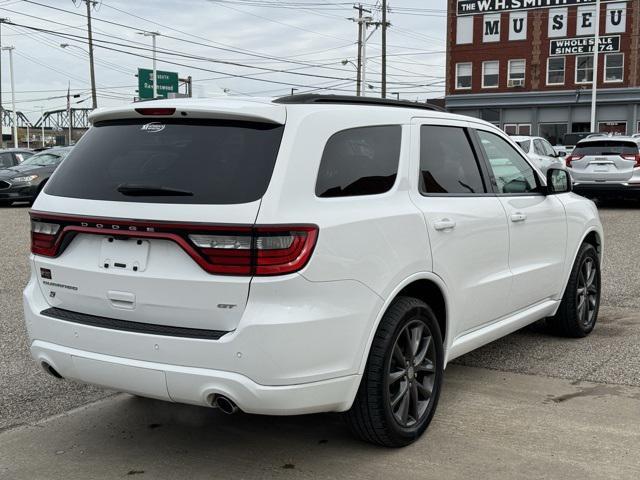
308, 254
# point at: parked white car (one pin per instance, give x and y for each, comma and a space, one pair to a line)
308, 254
603, 165
540, 152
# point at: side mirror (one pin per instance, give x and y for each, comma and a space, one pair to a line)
560, 154
558, 181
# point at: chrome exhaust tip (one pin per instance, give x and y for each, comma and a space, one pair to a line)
225, 405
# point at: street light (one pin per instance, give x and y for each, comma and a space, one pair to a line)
153, 36
69, 45
397, 94
346, 62
13, 97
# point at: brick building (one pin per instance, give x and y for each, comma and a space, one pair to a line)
527, 65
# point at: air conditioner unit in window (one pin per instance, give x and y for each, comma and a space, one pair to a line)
517, 82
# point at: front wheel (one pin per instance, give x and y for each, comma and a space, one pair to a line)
399, 390
578, 311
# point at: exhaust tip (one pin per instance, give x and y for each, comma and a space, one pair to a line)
51, 371
225, 405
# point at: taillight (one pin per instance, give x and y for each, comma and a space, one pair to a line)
156, 111
218, 249
264, 251
571, 158
44, 236
632, 156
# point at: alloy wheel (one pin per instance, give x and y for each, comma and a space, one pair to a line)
587, 292
412, 373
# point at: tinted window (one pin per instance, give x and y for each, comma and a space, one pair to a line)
538, 147
524, 145
447, 162
359, 161
199, 162
512, 173
46, 158
6, 160
548, 149
606, 147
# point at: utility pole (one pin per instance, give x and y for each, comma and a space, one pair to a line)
153, 36
359, 67
94, 98
384, 49
14, 114
596, 52
363, 23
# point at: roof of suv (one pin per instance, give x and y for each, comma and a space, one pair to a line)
274, 110
614, 138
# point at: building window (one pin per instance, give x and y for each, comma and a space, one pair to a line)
517, 129
584, 69
616, 18
490, 74
515, 74
614, 67
614, 128
464, 30
553, 132
491, 28
518, 26
463, 76
555, 71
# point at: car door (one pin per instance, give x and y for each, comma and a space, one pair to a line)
466, 223
537, 222
6, 160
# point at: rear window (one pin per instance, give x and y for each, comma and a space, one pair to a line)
606, 147
359, 161
170, 161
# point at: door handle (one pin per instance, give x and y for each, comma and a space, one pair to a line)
444, 224
518, 217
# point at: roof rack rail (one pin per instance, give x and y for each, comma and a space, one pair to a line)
313, 98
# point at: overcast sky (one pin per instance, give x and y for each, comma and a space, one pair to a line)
309, 37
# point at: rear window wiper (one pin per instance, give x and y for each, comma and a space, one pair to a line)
134, 190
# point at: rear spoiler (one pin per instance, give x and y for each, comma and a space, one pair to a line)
184, 108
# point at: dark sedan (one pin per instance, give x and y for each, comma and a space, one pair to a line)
23, 182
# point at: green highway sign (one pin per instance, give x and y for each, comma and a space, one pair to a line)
167, 83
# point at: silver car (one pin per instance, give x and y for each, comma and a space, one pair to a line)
540, 151
606, 165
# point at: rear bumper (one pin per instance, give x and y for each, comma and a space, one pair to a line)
607, 188
196, 386
297, 349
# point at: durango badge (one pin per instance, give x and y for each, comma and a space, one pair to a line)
153, 127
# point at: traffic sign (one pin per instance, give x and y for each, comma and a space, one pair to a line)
167, 83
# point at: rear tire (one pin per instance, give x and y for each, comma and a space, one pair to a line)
578, 312
5, 203
401, 385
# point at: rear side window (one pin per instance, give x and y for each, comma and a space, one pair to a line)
606, 147
448, 164
524, 145
360, 161
171, 161
6, 160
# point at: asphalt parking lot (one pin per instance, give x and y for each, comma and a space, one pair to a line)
527, 406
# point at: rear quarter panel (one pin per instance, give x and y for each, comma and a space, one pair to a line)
378, 240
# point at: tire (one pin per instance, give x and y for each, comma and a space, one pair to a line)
578, 312
408, 330
5, 203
